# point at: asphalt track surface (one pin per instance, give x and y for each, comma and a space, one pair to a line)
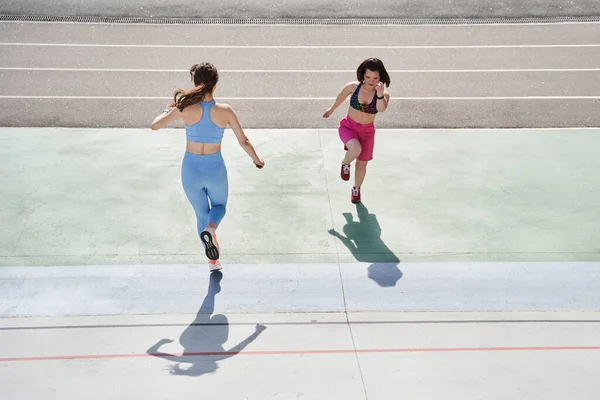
455, 76
306, 8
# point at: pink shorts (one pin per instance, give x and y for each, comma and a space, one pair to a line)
365, 133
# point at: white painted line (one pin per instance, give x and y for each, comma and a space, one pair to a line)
499, 98
218, 46
301, 71
94, 97
303, 98
284, 25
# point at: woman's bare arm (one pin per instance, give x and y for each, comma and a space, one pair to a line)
341, 97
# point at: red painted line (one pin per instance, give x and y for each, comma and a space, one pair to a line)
293, 352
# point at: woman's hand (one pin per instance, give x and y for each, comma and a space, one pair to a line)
259, 164
327, 113
167, 116
380, 89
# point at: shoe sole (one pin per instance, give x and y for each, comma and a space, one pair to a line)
355, 201
211, 251
216, 269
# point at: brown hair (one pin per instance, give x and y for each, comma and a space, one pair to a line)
205, 77
373, 64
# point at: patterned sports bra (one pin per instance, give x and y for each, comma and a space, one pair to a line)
369, 108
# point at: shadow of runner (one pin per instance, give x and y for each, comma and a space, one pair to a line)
203, 339
363, 239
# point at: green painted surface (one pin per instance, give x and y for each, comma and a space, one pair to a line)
114, 196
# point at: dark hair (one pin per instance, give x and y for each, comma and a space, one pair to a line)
373, 64
205, 77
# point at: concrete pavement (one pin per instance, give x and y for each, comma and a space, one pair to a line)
448, 287
254, 356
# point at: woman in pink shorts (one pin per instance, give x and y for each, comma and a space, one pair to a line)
356, 129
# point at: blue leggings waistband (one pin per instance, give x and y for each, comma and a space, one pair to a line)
205, 158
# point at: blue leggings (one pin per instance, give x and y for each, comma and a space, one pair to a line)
204, 179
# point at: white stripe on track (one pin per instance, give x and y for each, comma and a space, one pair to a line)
218, 46
299, 71
287, 25
303, 98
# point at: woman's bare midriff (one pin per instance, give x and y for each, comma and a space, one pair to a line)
360, 117
202, 148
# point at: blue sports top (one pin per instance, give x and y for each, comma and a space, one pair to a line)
204, 131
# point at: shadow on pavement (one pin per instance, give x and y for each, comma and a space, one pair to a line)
203, 339
363, 239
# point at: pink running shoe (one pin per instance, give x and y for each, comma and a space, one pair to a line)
214, 265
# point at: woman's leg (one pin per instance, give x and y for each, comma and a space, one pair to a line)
217, 188
367, 142
191, 178
359, 173
351, 145
218, 193
354, 149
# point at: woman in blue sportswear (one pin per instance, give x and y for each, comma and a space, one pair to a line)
203, 171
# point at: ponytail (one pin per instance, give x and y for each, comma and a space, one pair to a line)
183, 98
205, 77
